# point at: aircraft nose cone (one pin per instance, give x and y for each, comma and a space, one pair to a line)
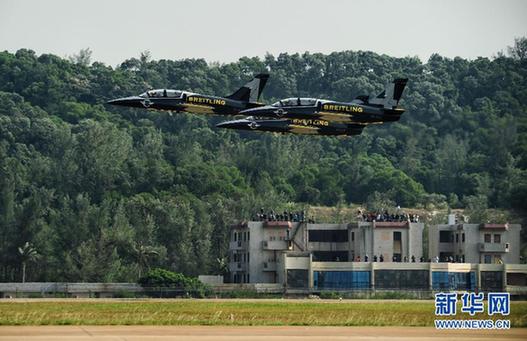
224, 125
136, 102
250, 112
237, 124
229, 125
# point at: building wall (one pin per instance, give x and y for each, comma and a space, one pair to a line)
473, 248
269, 245
407, 276
377, 241
264, 249
255, 255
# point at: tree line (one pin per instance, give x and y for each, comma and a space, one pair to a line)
90, 192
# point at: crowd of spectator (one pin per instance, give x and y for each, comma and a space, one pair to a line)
299, 216
412, 259
385, 216
394, 259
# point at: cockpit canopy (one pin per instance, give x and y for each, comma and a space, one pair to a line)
162, 93
295, 101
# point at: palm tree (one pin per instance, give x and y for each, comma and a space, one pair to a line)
27, 254
143, 253
223, 265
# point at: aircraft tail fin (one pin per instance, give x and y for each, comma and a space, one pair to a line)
391, 94
251, 91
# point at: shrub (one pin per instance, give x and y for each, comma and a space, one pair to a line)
160, 278
332, 295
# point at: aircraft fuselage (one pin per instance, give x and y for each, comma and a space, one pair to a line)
340, 112
187, 102
294, 126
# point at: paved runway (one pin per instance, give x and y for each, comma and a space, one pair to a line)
224, 333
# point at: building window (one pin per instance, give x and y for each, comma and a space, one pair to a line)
444, 280
402, 279
335, 280
328, 236
463, 237
457, 237
487, 238
487, 259
352, 236
517, 278
397, 236
446, 236
297, 278
497, 238
330, 256
235, 236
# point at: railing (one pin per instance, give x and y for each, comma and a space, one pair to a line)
238, 245
280, 224
493, 247
237, 266
275, 245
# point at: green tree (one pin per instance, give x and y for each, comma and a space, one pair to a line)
27, 254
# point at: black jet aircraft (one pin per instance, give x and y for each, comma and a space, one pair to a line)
185, 101
295, 126
362, 110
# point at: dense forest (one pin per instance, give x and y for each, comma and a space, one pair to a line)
90, 192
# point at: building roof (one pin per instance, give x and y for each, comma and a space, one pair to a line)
278, 224
494, 226
391, 224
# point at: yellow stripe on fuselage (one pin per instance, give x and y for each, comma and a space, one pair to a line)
297, 129
336, 117
344, 118
199, 109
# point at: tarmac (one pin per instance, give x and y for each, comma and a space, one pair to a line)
224, 333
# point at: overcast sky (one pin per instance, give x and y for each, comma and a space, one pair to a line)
227, 30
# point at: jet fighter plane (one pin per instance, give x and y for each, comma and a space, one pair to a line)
190, 102
294, 126
362, 110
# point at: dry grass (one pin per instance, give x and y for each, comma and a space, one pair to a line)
232, 312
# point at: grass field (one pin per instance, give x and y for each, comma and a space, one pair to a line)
233, 312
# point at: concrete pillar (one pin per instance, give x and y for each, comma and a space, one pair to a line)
310, 273
478, 277
504, 279
408, 249
431, 286
372, 275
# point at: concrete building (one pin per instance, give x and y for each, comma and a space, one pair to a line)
306, 258
303, 275
256, 247
475, 243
